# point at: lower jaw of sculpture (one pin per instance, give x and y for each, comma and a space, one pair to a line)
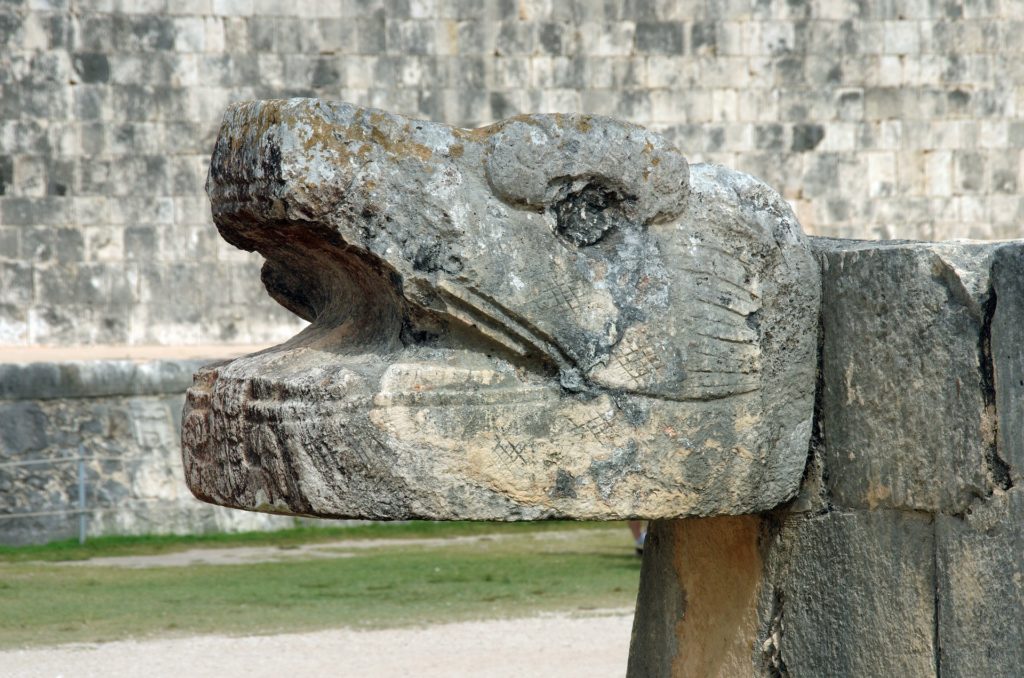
453, 434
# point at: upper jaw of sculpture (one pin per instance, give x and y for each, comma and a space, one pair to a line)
545, 317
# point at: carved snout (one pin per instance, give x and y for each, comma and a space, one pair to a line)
537, 161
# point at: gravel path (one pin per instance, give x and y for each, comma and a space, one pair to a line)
551, 645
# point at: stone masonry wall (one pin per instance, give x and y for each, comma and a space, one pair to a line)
125, 418
889, 119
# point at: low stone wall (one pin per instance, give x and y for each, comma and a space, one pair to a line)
904, 552
123, 418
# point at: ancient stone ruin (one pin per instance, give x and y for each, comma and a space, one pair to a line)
558, 317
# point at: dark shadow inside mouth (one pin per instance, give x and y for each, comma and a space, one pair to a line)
352, 300
356, 303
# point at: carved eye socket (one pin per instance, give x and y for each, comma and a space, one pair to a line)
584, 216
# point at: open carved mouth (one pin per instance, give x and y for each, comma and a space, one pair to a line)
358, 312
544, 318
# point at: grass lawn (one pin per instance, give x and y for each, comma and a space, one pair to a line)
509, 570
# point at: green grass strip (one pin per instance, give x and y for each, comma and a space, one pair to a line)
521, 572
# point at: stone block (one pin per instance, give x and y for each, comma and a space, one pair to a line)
36, 244
411, 37
294, 36
908, 411
91, 67
559, 73
48, 211
659, 37
79, 284
555, 40
980, 592
806, 137
13, 326
515, 38
371, 35
9, 247
16, 286
851, 594
69, 245
1005, 341
22, 429
696, 611
608, 39
704, 37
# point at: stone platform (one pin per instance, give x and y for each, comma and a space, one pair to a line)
121, 408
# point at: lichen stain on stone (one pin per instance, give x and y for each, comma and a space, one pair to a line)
367, 127
266, 117
989, 427
478, 134
877, 494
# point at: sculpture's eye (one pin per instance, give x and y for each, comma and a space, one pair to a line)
585, 215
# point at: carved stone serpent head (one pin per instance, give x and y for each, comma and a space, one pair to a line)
554, 316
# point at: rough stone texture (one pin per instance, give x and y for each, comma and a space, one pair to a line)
789, 594
902, 553
981, 586
661, 604
551, 316
895, 119
1005, 340
908, 407
849, 594
126, 418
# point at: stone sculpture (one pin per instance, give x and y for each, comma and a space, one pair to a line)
554, 316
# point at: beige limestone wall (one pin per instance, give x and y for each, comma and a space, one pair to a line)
889, 119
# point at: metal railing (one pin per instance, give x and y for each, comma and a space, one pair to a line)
82, 509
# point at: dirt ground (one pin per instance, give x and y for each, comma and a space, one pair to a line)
565, 646
247, 555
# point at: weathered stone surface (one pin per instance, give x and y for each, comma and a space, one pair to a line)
788, 594
1006, 342
981, 588
909, 411
551, 316
896, 119
901, 553
849, 594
